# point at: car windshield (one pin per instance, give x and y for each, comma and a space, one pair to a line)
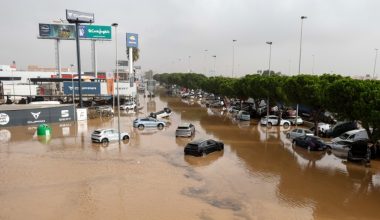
97, 132
308, 132
344, 136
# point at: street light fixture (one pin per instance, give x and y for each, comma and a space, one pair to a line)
214, 65
299, 61
270, 54
117, 84
233, 57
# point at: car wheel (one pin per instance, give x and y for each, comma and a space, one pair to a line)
160, 126
141, 127
126, 137
286, 125
288, 135
104, 140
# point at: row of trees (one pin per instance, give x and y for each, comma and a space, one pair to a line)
348, 98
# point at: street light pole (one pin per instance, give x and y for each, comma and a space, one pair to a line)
214, 65
374, 66
299, 61
312, 69
233, 57
205, 61
117, 84
270, 54
189, 65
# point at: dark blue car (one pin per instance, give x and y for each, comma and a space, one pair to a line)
310, 142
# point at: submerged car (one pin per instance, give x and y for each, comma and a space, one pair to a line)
141, 123
185, 130
295, 120
166, 112
243, 116
298, 132
129, 105
309, 142
359, 151
107, 135
203, 147
274, 120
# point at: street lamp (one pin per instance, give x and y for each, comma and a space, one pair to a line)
233, 57
117, 83
214, 65
270, 54
374, 66
299, 61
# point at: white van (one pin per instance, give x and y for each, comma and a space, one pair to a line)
354, 135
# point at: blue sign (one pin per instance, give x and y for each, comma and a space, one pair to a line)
88, 88
132, 40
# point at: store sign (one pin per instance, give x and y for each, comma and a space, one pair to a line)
4, 119
95, 32
88, 88
132, 40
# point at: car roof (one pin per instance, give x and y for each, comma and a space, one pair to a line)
198, 141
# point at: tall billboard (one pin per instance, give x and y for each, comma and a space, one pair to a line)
67, 32
57, 31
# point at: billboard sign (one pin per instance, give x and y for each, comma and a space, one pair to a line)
122, 62
79, 17
95, 32
132, 40
57, 31
88, 88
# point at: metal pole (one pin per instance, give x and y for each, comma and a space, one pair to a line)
189, 65
130, 63
58, 64
94, 66
270, 54
374, 66
117, 88
205, 63
299, 61
79, 69
312, 70
214, 65
233, 57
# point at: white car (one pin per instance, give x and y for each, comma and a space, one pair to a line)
107, 135
298, 132
274, 120
166, 112
295, 120
130, 105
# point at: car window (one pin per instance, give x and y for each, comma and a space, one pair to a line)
351, 137
344, 136
300, 131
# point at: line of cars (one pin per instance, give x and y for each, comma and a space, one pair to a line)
351, 145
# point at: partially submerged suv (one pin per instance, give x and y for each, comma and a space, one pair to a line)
274, 120
185, 130
141, 123
107, 135
203, 147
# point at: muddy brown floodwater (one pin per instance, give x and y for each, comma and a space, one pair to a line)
259, 175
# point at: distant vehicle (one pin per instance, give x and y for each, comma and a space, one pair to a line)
353, 135
104, 110
45, 103
129, 105
309, 142
185, 130
203, 147
107, 135
243, 116
339, 148
141, 123
166, 112
274, 120
298, 132
295, 120
322, 128
341, 127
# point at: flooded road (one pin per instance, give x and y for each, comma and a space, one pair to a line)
259, 175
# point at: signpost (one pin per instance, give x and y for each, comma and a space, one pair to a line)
132, 42
77, 18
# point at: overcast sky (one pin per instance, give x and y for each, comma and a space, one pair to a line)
341, 34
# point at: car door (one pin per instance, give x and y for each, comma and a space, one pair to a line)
113, 135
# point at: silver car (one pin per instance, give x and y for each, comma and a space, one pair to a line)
298, 132
141, 123
185, 130
107, 135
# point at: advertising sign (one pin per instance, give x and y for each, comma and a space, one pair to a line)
88, 88
79, 17
122, 62
132, 40
57, 31
95, 32
34, 116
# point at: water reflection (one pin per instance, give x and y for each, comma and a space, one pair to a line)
203, 161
